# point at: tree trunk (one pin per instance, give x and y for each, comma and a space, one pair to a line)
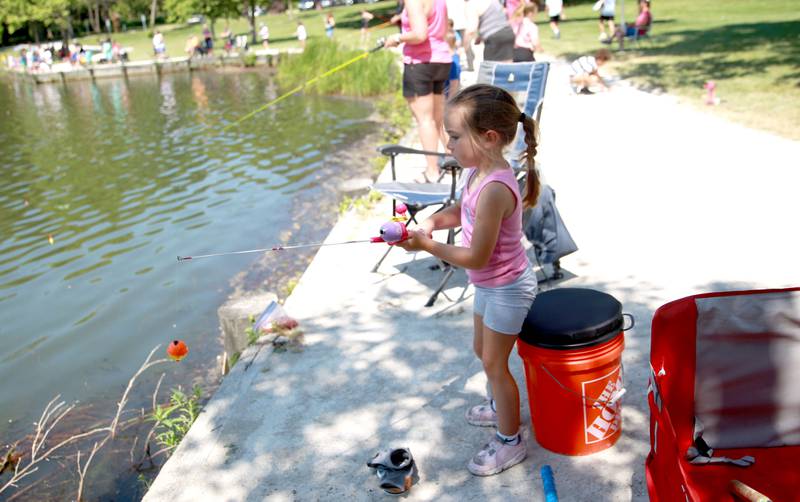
94, 17
153, 8
211, 25
34, 26
251, 17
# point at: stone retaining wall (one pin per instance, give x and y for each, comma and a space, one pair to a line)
268, 57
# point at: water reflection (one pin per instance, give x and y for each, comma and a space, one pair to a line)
124, 176
168, 101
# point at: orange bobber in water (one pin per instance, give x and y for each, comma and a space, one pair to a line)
177, 350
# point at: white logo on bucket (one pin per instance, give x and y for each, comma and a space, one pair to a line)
601, 420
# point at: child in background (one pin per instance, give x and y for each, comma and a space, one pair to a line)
527, 33
481, 121
263, 32
366, 17
454, 79
606, 8
228, 37
302, 35
584, 72
555, 9
329, 25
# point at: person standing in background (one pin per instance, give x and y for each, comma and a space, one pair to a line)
426, 68
366, 17
456, 12
487, 22
527, 33
208, 40
302, 35
606, 8
263, 32
555, 9
329, 25
159, 47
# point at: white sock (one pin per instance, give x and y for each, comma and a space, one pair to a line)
512, 440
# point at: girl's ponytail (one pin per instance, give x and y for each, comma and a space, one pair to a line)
532, 183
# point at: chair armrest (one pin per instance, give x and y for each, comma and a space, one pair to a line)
390, 150
450, 164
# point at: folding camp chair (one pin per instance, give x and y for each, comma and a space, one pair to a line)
526, 82
723, 396
641, 34
418, 196
543, 225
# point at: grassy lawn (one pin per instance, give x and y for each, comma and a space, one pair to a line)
281, 27
751, 49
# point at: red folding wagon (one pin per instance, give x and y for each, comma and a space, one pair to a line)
724, 396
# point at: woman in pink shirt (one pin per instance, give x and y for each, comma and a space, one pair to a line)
481, 121
426, 67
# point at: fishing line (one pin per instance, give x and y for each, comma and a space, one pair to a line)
273, 248
305, 84
391, 233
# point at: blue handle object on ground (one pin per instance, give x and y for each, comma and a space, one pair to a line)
550, 494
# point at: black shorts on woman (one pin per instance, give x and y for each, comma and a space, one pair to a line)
422, 79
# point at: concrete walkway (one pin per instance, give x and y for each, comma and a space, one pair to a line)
663, 200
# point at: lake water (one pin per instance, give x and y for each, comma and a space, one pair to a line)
104, 184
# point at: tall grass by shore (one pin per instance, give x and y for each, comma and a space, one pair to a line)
377, 73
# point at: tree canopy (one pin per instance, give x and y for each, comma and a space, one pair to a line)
60, 16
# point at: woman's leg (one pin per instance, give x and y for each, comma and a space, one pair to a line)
424, 110
495, 349
438, 116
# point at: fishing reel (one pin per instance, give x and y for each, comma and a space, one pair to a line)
394, 231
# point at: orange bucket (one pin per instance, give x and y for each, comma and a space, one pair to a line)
571, 346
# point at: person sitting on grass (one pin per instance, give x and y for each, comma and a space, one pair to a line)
584, 72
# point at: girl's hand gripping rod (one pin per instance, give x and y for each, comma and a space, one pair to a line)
394, 231
391, 233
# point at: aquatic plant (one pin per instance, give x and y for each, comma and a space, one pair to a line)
376, 74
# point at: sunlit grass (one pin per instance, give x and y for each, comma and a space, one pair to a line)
750, 49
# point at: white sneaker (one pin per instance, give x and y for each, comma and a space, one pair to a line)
497, 456
482, 415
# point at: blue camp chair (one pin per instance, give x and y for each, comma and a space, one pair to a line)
526, 82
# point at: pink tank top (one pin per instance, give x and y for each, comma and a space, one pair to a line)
434, 49
508, 260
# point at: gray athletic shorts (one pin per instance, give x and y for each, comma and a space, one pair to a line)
504, 309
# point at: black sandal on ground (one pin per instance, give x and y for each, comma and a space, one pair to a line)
395, 468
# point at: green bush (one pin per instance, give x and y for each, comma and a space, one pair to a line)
249, 59
377, 73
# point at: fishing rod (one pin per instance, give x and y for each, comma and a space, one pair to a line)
305, 84
391, 233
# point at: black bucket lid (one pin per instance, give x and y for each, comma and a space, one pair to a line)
572, 318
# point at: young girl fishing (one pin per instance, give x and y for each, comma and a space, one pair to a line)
481, 121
